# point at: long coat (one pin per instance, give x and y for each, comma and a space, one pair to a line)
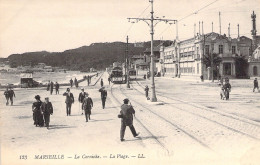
87, 104
82, 96
127, 112
69, 98
37, 115
47, 108
103, 93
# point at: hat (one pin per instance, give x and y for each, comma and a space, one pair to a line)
126, 99
82, 88
68, 89
87, 94
46, 98
37, 97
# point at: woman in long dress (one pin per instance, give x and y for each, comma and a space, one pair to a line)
37, 114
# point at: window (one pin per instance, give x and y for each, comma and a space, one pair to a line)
220, 49
233, 49
207, 49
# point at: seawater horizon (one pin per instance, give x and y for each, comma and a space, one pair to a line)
44, 77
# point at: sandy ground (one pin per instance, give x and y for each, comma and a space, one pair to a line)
188, 125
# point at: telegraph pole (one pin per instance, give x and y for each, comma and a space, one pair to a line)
150, 22
127, 65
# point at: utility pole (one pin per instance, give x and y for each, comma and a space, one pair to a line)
150, 22
127, 65
219, 24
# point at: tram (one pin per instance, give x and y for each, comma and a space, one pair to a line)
132, 74
117, 75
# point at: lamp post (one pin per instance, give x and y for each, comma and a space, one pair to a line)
150, 22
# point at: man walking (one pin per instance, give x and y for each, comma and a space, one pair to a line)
47, 110
227, 88
101, 83
146, 89
51, 88
6, 93
69, 101
109, 79
48, 86
103, 96
82, 95
57, 86
88, 80
71, 83
76, 82
11, 95
87, 104
256, 85
126, 115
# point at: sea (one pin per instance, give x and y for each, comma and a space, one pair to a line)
43, 77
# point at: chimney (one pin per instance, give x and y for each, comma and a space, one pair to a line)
219, 24
199, 27
238, 31
202, 28
194, 29
212, 26
229, 30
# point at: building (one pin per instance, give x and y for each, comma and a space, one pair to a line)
208, 55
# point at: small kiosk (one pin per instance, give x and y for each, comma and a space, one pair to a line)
27, 80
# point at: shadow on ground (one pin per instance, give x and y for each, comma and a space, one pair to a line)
60, 126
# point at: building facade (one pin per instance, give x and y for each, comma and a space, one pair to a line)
198, 55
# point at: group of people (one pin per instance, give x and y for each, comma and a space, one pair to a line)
76, 83
225, 89
42, 111
9, 95
51, 85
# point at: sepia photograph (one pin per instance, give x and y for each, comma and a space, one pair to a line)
93, 82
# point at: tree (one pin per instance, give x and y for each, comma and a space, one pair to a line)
212, 61
241, 66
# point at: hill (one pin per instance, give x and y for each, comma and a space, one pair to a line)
96, 55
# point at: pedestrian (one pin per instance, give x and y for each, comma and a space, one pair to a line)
256, 85
51, 87
47, 110
144, 76
103, 96
57, 86
71, 83
11, 95
48, 86
126, 115
221, 91
146, 89
109, 79
69, 101
201, 78
82, 95
148, 75
6, 93
88, 105
227, 88
101, 83
37, 114
88, 80
76, 82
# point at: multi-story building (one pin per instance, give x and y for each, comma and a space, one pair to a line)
192, 57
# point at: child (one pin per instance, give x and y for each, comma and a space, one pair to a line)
222, 95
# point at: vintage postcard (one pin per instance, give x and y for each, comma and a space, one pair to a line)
130, 82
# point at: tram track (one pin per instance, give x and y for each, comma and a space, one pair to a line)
206, 118
136, 118
174, 126
225, 114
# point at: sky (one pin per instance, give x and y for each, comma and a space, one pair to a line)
58, 25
